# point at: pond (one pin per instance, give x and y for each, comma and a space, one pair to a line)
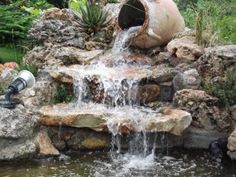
177, 163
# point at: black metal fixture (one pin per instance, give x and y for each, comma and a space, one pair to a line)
25, 79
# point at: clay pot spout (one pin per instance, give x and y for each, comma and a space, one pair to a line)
159, 20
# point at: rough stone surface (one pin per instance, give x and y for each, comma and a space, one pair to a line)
18, 151
18, 128
232, 145
163, 73
58, 26
45, 145
64, 138
168, 120
213, 63
148, 93
70, 55
68, 115
204, 110
185, 48
190, 79
17, 123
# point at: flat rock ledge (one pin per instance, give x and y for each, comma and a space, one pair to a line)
123, 121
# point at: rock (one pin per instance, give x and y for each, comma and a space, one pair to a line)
113, 10
163, 73
190, 79
233, 112
42, 56
68, 138
232, 145
58, 26
167, 91
17, 123
18, 128
182, 120
203, 108
213, 63
45, 145
72, 55
101, 83
147, 93
68, 115
167, 120
18, 151
117, 121
54, 56
185, 48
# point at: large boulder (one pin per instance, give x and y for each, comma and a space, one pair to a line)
17, 123
58, 26
18, 129
213, 63
125, 120
185, 48
204, 110
189, 79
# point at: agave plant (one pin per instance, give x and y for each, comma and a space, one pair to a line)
92, 18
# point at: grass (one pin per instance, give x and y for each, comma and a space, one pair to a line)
218, 24
10, 53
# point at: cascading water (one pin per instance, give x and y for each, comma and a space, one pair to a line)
114, 89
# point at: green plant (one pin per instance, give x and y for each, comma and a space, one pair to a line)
225, 90
93, 18
199, 27
76, 4
218, 22
63, 93
10, 53
2, 90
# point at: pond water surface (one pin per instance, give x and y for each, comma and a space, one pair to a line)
187, 163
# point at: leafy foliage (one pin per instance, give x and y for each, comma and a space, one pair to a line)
93, 18
16, 18
77, 4
63, 94
10, 53
225, 90
219, 22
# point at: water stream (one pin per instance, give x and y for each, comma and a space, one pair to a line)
116, 87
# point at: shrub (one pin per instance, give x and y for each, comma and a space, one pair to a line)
93, 18
225, 90
62, 94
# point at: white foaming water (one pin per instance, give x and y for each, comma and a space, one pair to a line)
115, 89
122, 41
